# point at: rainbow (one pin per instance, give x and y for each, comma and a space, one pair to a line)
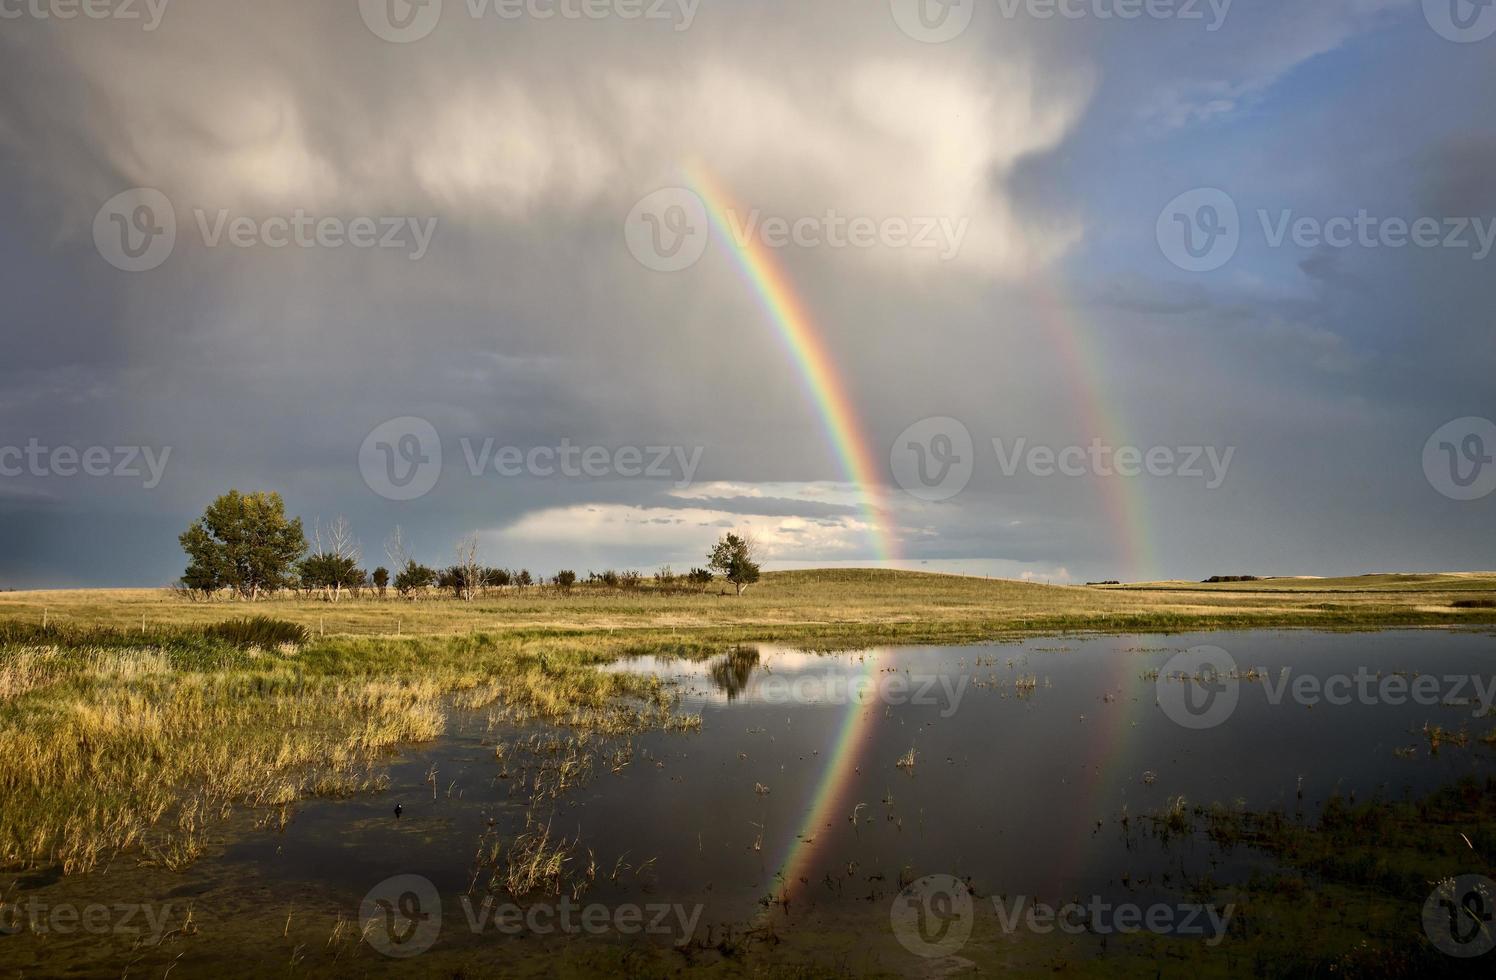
807, 348
830, 802
1121, 498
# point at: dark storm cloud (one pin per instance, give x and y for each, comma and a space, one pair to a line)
528, 322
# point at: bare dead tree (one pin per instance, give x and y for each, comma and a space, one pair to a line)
468, 567
341, 541
335, 556
397, 550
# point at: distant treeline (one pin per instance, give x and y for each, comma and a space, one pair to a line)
245, 545
1220, 579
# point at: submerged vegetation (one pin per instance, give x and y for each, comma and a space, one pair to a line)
127, 741
1348, 881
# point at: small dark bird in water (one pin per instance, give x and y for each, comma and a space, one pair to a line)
398, 809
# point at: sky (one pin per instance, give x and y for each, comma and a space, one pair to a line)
1104, 289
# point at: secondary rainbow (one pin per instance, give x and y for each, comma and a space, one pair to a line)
807, 348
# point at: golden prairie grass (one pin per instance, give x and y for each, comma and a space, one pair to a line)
829, 607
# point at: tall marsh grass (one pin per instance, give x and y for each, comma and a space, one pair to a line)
140, 742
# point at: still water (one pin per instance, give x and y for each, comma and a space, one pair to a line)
817, 787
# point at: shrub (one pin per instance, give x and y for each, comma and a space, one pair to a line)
259, 631
1475, 604
566, 579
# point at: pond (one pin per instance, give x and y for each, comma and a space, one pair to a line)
819, 792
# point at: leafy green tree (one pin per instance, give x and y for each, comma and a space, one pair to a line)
381, 580
331, 573
566, 579
734, 558
243, 542
414, 577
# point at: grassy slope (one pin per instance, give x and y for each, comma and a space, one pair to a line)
825, 607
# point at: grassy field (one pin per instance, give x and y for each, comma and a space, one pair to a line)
842, 607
